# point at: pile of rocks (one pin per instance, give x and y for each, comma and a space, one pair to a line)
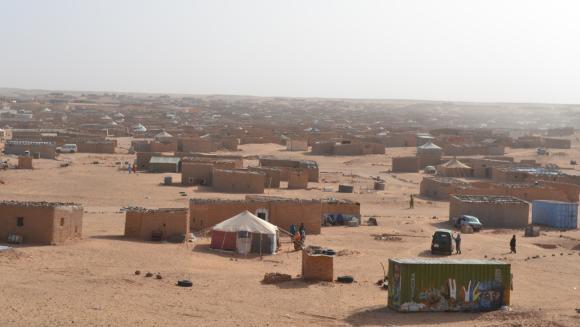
275, 278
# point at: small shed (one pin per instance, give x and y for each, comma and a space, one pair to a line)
317, 264
159, 164
25, 162
296, 145
297, 178
405, 164
156, 224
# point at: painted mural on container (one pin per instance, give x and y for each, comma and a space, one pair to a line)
448, 295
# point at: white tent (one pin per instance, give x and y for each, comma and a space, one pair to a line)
248, 222
245, 233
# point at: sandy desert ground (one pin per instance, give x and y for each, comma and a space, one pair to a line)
92, 282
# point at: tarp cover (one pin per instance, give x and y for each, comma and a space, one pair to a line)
246, 221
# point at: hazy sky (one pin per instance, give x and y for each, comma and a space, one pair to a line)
507, 50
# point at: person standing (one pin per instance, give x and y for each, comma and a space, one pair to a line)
293, 229
302, 232
513, 244
134, 168
129, 168
458, 243
411, 202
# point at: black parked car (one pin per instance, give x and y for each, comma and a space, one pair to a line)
442, 242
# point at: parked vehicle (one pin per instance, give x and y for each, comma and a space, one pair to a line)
468, 220
542, 151
442, 242
67, 148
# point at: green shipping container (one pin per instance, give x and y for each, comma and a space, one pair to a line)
448, 284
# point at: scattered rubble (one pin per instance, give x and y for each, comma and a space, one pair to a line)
275, 278
346, 252
388, 237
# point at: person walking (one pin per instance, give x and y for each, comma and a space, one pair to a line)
411, 202
134, 168
513, 244
458, 243
129, 168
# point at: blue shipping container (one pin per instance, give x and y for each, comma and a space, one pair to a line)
555, 214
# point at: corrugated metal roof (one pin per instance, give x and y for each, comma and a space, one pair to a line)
161, 160
495, 199
24, 142
421, 261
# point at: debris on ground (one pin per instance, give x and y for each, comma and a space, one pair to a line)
137, 272
275, 278
388, 237
158, 276
383, 283
372, 221
346, 252
148, 274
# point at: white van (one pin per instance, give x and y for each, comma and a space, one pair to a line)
67, 148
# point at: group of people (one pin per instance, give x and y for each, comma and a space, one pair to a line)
298, 234
457, 239
132, 168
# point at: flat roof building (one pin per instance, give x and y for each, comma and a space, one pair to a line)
46, 223
492, 211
